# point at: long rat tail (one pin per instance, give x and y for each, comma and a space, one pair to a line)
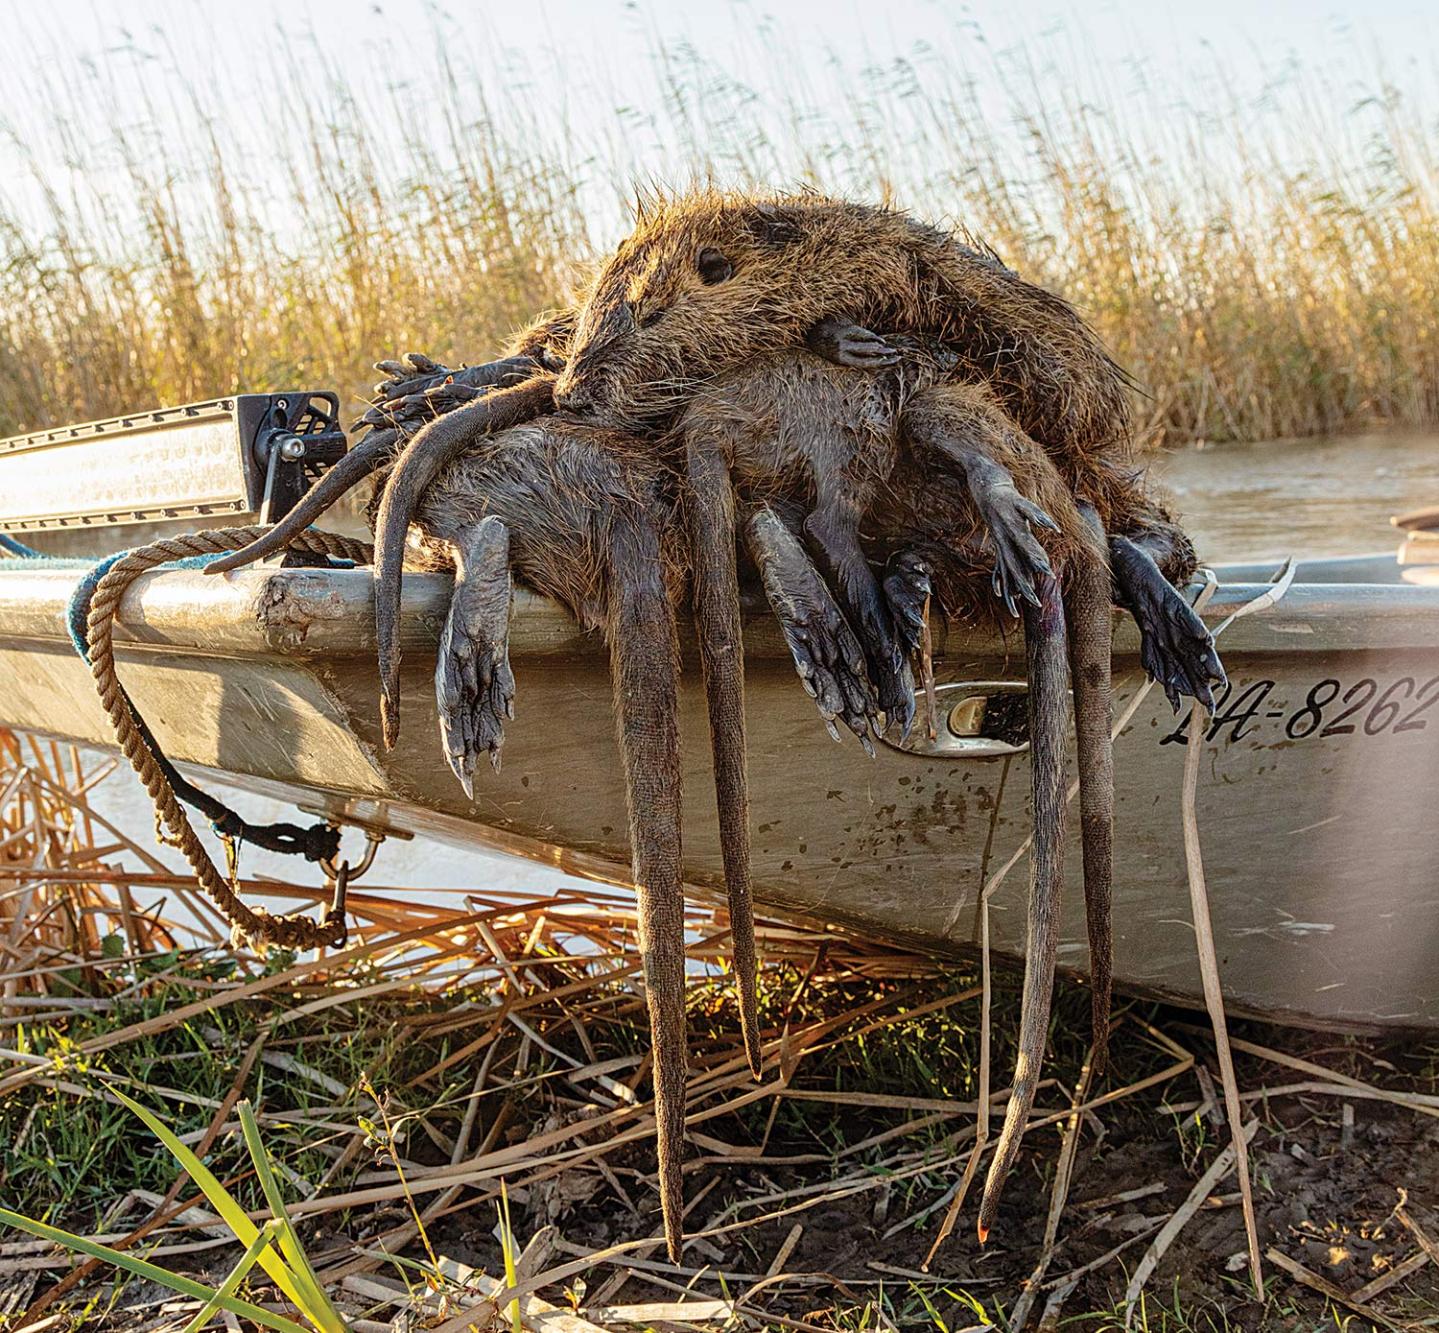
1044, 644
644, 659
717, 617
1088, 600
352, 469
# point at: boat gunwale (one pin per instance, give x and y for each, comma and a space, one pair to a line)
311, 613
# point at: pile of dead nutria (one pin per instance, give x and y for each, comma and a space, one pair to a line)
881, 416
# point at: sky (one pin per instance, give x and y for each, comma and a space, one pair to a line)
588, 65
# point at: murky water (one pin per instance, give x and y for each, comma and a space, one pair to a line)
1240, 502
1301, 497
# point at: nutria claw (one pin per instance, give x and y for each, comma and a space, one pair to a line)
1176, 648
1019, 559
826, 652
908, 586
474, 686
851, 345
830, 665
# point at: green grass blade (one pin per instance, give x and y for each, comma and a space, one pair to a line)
142, 1268
223, 1202
507, 1247
232, 1282
317, 1305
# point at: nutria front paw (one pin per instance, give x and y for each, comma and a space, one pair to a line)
1019, 559
474, 686
907, 588
851, 345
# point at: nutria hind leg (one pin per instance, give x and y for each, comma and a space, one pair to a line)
1176, 648
474, 686
833, 525
710, 511
1089, 619
1044, 644
826, 652
644, 656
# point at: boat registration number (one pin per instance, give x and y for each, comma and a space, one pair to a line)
1366, 707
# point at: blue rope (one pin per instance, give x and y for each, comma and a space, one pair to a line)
18, 549
77, 612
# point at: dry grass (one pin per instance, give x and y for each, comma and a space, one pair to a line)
456, 1048
1263, 275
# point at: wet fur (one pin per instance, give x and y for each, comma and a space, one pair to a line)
780, 430
591, 524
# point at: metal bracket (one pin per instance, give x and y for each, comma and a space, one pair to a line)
978, 719
294, 438
347, 873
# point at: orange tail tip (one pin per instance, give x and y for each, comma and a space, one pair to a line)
389, 721
983, 1232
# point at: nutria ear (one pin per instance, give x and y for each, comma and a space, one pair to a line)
713, 266
771, 225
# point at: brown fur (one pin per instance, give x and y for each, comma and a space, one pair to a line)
651, 325
650, 328
590, 524
914, 454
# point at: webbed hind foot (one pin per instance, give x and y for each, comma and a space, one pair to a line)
826, 652
474, 686
1176, 648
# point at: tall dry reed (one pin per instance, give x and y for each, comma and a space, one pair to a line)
1261, 277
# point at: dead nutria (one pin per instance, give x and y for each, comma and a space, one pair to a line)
1035, 381
948, 485
710, 282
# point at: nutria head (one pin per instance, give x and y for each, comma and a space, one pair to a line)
707, 282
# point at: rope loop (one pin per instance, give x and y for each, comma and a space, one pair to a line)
253, 925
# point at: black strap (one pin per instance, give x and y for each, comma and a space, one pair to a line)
319, 842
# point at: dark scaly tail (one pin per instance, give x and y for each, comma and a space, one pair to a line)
1087, 610
1044, 646
431, 450
644, 664
352, 469
711, 513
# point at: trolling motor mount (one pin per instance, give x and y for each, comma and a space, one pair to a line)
249, 455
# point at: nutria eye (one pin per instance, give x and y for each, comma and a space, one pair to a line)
713, 267
649, 320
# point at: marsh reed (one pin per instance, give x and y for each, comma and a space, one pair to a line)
1262, 275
